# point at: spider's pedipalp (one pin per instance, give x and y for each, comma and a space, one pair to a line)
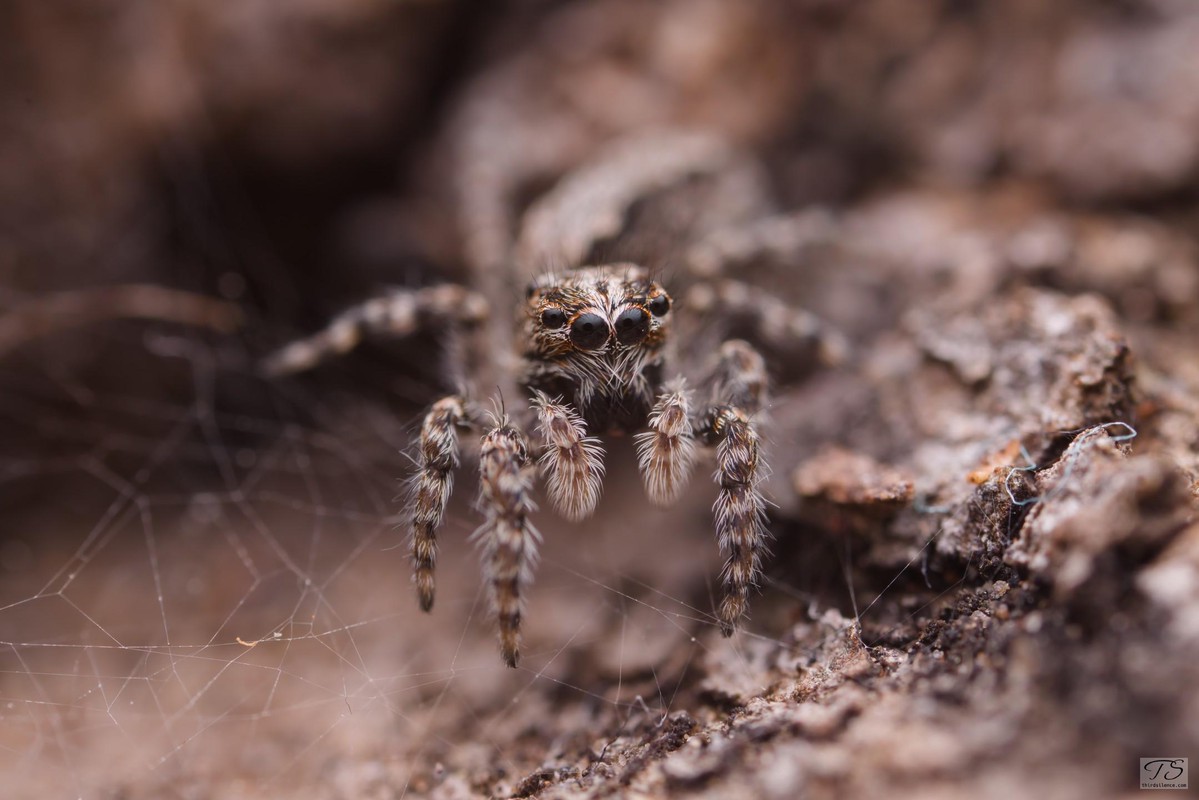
431, 487
666, 451
739, 386
509, 540
402, 312
572, 462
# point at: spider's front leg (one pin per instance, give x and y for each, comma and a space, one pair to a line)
508, 538
738, 391
437, 458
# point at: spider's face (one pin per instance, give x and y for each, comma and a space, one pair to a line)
596, 336
614, 311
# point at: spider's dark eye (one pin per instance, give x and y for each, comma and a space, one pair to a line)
553, 318
631, 326
659, 305
589, 331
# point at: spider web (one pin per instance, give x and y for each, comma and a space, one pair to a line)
196, 595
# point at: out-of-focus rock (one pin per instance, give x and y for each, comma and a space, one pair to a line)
1046, 361
1171, 581
843, 489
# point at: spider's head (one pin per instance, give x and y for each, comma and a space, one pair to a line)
613, 310
596, 336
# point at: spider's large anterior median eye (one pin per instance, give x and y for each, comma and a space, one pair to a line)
631, 326
553, 318
589, 331
659, 305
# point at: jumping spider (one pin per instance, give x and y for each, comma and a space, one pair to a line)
594, 344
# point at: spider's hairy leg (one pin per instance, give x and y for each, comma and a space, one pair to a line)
437, 458
740, 509
740, 377
509, 540
667, 450
402, 312
738, 390
781, 329
572, 461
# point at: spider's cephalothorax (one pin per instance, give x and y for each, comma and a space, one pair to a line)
593, 356
596, 338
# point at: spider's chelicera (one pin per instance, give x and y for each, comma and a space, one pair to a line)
594, 347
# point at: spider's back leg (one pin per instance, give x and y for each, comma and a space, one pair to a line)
786, 334
402, 312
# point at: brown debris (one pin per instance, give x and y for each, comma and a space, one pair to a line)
845, 478
839, 487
